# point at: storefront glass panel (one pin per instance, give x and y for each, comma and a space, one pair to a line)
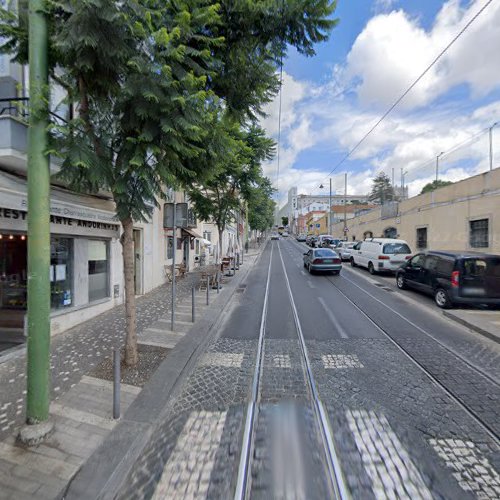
98, 269
61, 271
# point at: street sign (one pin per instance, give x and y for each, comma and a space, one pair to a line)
318, 225
181, 210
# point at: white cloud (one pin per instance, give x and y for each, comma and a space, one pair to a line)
390, 52
393, 50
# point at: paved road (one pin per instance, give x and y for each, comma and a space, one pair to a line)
324, 386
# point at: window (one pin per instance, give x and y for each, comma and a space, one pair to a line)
98, 269
390, 232
207, 235
478, 233
61, 265
417, 261
431, 262
422, 237
396, 248
474, 268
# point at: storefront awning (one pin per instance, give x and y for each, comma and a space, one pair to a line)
191, 233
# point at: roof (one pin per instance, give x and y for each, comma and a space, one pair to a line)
461, 253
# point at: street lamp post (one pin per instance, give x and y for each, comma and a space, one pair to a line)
491, 143
437, 165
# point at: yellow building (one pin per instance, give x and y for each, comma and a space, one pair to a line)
462, 216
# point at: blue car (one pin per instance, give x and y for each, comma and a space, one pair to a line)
322, 259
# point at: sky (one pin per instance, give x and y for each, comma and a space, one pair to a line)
377, 50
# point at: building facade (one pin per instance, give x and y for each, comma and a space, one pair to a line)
462, 216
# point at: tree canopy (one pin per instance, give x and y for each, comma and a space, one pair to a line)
382, 190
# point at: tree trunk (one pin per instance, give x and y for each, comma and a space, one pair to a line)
127, 240
221, 232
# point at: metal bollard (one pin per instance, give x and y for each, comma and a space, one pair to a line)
116, 383
218, 286
193, 312
208, 291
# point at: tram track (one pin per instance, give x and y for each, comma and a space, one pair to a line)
336, 478
492, 433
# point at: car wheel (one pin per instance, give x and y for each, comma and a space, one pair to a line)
371, 269
353, 264
442, 299
400, 282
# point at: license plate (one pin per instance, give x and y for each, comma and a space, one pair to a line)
327, 261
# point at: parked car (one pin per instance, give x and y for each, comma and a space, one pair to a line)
453, 277
285, 234
322, 259
380, 254
275, 236
332, 243
344, 249
301, 237
324, 240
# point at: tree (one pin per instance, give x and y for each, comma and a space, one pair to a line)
284, 221
382, 189
235, 156
136, 72
432, 186
147, 78
261, 206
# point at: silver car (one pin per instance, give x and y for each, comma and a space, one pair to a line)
322, 259
344, 249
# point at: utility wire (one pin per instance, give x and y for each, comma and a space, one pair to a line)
410, 88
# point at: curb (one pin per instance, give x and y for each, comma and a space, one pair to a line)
102, 475
472, 326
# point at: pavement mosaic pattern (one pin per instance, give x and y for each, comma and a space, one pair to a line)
390, 399
79, 350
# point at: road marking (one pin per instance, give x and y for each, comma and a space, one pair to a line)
303, 272
223, 359
472, 471
309, 282
188, 470
387, 463
337, 361
333, 319
282, 361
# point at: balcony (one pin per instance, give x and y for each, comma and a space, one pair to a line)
14, 135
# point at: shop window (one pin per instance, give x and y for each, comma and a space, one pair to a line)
421, 237
98, 269
61, 270
478, 233
13, 271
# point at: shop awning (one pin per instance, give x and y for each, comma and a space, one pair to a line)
191, 233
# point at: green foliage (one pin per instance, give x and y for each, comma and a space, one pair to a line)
261, 206
382, 190
432, 186
284, 221
234, 157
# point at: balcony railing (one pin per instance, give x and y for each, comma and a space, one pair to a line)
19, 107
15, 106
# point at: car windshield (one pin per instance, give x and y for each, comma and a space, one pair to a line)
395, 248
325, 252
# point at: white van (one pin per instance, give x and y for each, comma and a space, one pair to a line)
380, 254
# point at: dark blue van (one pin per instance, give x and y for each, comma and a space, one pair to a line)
453, 278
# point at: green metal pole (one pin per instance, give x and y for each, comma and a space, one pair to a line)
38, 221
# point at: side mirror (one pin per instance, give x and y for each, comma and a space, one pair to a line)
306, 253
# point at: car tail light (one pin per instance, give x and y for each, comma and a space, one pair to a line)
336, 261
455, 278
408, 257
318, 261
383, 257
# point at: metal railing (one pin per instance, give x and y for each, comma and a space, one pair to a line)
15, 106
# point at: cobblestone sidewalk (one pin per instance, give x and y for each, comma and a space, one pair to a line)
79, 350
